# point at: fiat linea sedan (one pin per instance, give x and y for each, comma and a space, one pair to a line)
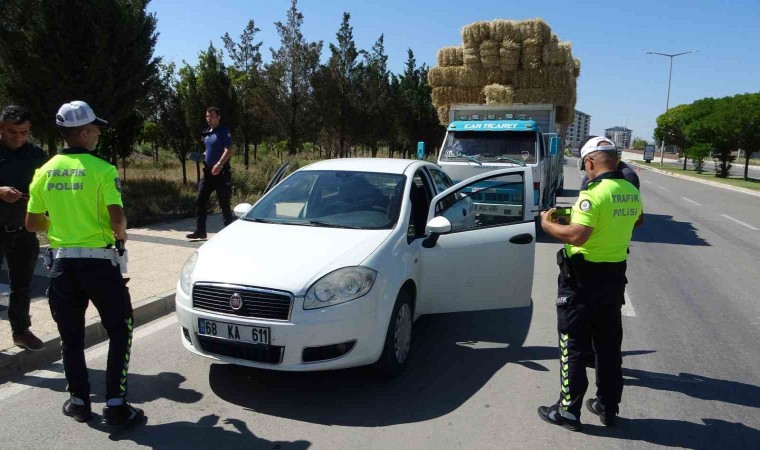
330, 268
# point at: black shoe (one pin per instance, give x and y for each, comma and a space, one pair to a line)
607, 418
196, 235
28, 340
80, 413
122, 415
551, 414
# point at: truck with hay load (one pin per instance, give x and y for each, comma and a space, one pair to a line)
506, 95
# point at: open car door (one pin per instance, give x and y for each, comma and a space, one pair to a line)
479, 248
276, 178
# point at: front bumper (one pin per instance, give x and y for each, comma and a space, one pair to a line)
363, 321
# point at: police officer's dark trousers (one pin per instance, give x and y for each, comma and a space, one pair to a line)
73, 282
588, 313
222, 184
21, 248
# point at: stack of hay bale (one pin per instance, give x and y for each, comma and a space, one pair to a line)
505, 62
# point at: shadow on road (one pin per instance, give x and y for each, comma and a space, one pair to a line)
453, 356
206, 433
142, 388
697, 386
661, 228
711, 434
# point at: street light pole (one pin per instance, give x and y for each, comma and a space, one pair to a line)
667, 101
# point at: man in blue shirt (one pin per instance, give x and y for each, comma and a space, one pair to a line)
217, 175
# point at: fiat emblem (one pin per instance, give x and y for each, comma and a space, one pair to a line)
236, 301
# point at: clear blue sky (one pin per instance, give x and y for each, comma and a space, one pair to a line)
619, 84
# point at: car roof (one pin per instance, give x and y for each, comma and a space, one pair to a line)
379, 165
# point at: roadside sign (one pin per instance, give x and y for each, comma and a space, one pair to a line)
649, 152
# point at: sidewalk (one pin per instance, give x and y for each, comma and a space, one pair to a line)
156, 256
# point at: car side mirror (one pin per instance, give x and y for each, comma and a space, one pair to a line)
554, 146
434, 229
241, 209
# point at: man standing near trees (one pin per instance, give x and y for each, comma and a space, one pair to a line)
217, 175
19, 158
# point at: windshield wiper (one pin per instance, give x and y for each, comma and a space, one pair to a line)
468, 158
512, 160
333, 225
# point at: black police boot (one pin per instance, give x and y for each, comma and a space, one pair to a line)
552, 415
80, 413
606, 417
196, 235
122, 415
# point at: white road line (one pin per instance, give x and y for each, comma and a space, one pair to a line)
39, 376
627, 309
691, 201
647, 182
663, 188
741, 223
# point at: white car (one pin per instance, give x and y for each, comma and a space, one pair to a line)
330, 268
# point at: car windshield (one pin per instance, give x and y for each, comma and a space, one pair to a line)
491, 146
335, 199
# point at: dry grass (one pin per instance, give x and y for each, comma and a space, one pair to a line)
498, 94
450, 56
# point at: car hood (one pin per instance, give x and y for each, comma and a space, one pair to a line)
284, 257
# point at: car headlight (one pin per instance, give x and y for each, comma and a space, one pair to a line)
187, 273
340, 286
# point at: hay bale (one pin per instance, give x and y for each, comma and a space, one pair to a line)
509, 55
557, 53
545, 77
475, 33
535, 29
471, 57
443, 96
455, 77
577, 67
504, 29
489, 54
531, 55
499, 94
450, 56
497, 75
443, 115
558, 96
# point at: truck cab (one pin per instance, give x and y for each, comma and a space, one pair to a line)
473, 146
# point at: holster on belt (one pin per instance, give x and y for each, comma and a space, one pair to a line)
565, 267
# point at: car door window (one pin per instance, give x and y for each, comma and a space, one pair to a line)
441, 180
420, 194
493, 202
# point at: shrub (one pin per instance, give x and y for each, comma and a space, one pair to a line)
698, 154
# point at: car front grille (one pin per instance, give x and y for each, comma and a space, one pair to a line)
267, 354
257, 303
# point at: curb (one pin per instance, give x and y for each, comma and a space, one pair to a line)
16, 361
696, 180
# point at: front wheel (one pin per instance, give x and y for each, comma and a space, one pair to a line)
398, 338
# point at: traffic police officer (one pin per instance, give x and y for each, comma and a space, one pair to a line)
217, 175
19, 158
592, 286
81, 194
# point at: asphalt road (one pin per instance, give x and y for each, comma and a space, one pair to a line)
691, 363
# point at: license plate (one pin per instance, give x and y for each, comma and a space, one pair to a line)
233, 332
497, 210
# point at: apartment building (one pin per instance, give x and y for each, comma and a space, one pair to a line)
578, 130
621, 136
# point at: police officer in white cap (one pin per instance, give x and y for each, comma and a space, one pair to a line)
85, 220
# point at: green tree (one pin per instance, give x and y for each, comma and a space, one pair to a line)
374, 97
745, 115
290, 76
151, 133
55, 51
708, 122
215, 87
639, 143
248, 83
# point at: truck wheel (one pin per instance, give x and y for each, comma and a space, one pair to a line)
398, 338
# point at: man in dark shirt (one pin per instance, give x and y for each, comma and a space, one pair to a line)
217, 175
19, 158
626, 170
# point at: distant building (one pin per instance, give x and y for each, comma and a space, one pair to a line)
621, 136
578, 129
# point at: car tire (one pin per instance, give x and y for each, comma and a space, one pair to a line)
398, 338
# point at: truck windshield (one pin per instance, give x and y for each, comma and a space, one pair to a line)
491, 146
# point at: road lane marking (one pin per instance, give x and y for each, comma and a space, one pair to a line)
691, 201
663, 188
37, 377
627, 309
647, 182
741, 223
